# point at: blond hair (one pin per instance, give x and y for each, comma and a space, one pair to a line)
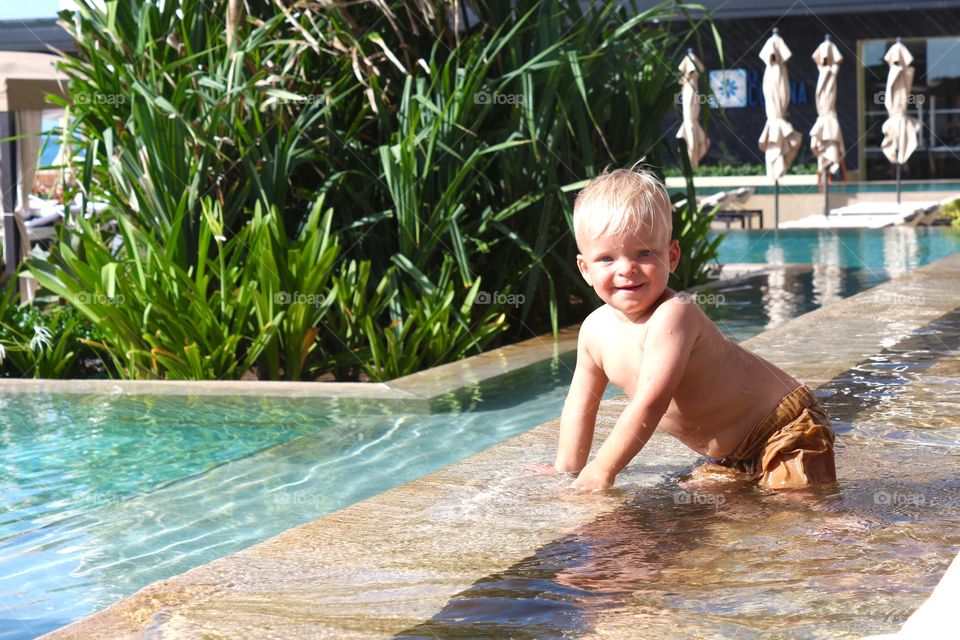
619, 201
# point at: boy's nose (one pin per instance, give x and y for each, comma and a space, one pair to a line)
626, 267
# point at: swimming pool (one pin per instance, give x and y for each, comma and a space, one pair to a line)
819, 267
884, 253
104, 495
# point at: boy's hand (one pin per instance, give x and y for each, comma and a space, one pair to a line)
592, 479
541, 469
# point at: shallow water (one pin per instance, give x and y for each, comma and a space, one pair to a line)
721, 560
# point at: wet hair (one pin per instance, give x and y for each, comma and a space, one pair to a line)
619, 201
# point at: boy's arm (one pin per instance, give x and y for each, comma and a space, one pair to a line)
580, 410
669, 340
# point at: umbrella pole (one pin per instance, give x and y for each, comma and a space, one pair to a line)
776, 204
826, 194
898, 183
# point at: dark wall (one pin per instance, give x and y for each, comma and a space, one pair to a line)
736, 139
36, 35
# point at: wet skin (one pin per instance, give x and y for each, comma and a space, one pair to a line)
679, 371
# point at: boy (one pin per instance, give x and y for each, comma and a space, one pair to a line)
679, 371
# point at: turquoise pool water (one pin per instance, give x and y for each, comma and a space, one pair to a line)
104, 495
884, 252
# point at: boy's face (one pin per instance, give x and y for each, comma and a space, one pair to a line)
629, 272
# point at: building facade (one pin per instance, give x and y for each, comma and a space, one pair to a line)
863, 31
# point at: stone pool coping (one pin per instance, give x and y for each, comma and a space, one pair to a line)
423, 385
386, 564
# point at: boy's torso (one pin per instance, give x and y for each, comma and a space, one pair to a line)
725, 390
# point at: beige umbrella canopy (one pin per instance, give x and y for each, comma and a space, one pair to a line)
826, 139
26, 78
690, 130
900, 130
779, 142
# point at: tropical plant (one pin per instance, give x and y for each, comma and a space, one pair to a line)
158, 318
42, 342
951, 213
257, 187
691, 228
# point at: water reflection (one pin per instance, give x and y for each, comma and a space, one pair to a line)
900, 250
827, 272
753, 304
779, 301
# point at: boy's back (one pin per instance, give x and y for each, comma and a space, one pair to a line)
724, 391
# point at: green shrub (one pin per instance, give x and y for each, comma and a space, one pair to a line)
691, 226
52, 341
216, 161
951, 212
738, 169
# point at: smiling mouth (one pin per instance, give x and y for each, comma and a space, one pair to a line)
632, 288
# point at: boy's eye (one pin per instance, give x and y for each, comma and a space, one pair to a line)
606, 259
646, 253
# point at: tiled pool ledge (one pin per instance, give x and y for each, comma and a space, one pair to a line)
387, 564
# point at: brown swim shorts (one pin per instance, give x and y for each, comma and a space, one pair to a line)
790, 448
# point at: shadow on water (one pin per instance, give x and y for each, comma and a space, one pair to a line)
558, 590
731, 560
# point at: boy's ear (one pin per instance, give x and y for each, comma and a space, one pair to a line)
584, 271
674, 254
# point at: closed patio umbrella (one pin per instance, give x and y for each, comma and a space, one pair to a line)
690, 130
826, 139
899, 130
778, 141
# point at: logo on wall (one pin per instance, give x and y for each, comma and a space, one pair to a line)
730, 87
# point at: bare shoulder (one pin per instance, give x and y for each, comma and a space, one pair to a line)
678, 312
679, 308
592, 332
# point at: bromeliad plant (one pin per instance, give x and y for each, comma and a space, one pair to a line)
254, 299
160, 319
